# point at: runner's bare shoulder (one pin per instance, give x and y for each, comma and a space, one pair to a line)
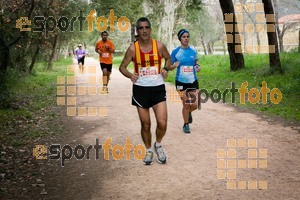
161, 48
131, 51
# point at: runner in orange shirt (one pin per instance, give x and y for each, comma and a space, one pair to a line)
105, 48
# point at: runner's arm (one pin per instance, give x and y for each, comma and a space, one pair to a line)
175, 65
97, 49
125, 62
198, 66
174, 62
166, 55
111, 50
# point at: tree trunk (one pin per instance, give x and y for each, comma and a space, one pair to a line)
274, 58
280, 34
4, 54
4, 50
66, 53
299, 42
58, 52
209, 48
4, 58
224, 47
213, 46
258, 41
234, 47
280, 38
34, 58
204, 47
53, 54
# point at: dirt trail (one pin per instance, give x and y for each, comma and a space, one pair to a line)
191, 169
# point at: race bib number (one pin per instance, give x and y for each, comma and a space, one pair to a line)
188, 73
105, 55
148, 72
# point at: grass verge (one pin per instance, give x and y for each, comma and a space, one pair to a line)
32, 109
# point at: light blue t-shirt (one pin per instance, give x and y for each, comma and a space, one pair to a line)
186, 72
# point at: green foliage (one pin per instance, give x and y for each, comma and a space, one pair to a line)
117, 62
131, 9
22, 45
31, 100
203, 27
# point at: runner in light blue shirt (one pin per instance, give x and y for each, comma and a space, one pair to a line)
185, 59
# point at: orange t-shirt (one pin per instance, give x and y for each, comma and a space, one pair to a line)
105, 56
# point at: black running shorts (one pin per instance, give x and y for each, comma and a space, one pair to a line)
81, 60
146, 97
107, 66
183, 86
